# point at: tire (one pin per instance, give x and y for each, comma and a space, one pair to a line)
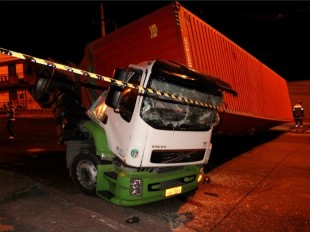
83, 172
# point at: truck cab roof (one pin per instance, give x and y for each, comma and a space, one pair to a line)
189, 74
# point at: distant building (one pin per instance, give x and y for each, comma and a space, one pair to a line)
15, 82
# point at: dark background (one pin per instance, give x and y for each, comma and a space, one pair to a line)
275, 32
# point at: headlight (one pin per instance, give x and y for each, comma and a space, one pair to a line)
136, 186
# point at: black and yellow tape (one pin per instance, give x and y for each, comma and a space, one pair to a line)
104, 78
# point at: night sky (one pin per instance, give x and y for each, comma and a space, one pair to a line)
275, 32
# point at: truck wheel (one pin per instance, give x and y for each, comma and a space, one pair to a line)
84, 172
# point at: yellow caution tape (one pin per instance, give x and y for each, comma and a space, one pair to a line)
104, 78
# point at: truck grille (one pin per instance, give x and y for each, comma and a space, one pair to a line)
177, 156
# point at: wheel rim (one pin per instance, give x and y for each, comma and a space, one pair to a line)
86, 173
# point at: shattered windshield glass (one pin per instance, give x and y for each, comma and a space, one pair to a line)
163, 113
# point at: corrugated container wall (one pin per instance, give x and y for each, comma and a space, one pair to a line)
174, 33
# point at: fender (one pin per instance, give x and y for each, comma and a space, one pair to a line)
100, 138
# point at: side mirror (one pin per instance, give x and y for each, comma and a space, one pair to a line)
114, 92
43, 86
47, 82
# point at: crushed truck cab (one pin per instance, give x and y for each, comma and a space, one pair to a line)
134, 146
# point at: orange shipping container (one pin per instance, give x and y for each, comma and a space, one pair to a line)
174, 33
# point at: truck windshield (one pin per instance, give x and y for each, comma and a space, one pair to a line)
167, 114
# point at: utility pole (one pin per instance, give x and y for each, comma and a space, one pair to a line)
102, 19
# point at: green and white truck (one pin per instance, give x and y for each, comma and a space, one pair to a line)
133, 146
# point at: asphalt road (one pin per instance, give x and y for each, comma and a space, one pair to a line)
258, 183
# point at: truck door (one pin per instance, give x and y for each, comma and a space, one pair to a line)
126, 132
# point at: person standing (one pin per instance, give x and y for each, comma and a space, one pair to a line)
10, 120
298, 114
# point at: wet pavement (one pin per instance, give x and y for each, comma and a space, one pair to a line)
257, 183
